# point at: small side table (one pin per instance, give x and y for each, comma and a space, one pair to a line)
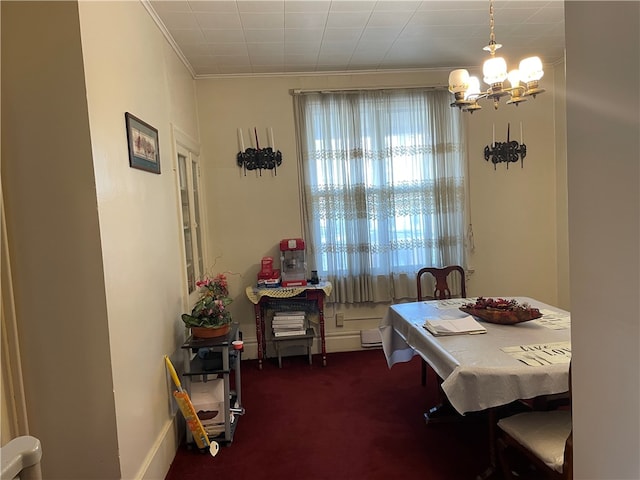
315, 294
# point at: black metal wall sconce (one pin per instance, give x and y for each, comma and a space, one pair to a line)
258, 158
506, 152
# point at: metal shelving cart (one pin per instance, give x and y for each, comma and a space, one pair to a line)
223, 363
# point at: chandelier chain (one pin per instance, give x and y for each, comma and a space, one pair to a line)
492, 36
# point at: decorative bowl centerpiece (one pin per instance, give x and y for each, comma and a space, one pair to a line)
501, 311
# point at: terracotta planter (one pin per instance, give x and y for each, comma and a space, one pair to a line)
210, 332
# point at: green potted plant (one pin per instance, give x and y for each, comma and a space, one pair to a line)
210, 316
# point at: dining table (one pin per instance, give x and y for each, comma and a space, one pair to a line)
483, 371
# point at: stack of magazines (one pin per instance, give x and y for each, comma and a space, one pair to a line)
286, 324
454, 326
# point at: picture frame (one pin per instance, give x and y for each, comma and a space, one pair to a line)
142, 140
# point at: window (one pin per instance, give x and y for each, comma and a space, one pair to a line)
189, 180
384, 187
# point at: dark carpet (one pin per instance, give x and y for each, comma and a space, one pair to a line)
353, 419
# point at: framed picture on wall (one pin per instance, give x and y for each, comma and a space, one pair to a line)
142, 138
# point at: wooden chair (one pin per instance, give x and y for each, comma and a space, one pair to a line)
544, 438
441, 292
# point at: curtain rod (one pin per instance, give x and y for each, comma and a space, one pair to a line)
367, 89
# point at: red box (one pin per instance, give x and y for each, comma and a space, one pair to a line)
291, 244
266, 265
271, 279
273, 274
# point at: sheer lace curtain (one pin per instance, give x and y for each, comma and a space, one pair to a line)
383, 179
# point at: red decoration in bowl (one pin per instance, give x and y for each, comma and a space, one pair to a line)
501, 311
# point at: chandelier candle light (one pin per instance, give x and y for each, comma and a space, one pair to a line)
258, 158
509, 151
524, 81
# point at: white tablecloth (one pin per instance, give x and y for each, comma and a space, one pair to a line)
476, 373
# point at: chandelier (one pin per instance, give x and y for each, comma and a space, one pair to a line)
523, 81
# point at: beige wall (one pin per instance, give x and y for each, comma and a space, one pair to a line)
95, 244
603, 138
562, 208
514, 212
129, 66
54, 241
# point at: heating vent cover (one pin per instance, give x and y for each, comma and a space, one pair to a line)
370, 338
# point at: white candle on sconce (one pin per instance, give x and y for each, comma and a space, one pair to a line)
241, 138
494, 136
272, 142
521, 135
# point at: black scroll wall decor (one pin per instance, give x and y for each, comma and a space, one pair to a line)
506, 152
258, 158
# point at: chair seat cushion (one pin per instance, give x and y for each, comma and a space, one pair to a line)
542, 433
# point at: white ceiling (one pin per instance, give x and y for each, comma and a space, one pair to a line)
231, 37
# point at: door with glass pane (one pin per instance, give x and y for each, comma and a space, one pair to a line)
189, 173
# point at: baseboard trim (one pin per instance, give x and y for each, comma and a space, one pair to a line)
344, 341
157, 462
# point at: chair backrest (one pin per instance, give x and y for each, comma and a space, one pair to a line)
442, 290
